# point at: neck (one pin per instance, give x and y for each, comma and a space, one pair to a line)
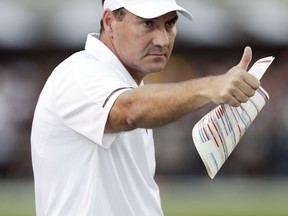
109, 43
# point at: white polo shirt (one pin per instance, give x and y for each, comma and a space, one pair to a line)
78, 169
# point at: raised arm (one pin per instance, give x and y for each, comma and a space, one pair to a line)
155, 105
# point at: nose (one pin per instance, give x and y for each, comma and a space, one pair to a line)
161, 38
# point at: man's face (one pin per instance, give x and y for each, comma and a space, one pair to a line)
144, 45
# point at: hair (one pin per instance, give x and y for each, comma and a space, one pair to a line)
119, 14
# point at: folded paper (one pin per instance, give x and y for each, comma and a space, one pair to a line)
219, 131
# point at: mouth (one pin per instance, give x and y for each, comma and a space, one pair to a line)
157, 54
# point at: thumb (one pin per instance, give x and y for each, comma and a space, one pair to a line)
246, 58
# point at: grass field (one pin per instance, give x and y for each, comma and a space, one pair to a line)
181, 197
221, 197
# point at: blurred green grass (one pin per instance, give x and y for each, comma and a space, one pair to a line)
181, 197
221, 197
17, 198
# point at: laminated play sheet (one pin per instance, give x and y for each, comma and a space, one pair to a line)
219, 131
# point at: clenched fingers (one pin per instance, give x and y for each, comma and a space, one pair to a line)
251, 81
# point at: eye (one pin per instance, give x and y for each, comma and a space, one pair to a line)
170, 24
148, 23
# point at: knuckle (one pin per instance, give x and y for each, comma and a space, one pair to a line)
224, 96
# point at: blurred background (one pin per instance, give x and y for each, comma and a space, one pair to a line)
35, 36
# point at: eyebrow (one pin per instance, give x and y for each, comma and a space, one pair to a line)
175, 18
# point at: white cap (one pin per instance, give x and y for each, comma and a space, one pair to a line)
147, 9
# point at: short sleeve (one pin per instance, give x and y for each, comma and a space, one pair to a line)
84, 99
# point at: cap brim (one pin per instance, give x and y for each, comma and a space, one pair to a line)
150, 10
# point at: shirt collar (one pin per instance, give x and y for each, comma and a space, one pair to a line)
99, 50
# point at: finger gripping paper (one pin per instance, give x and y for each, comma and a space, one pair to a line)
219, 131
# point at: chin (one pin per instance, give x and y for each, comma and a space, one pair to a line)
151, 67
154, 70
157, 68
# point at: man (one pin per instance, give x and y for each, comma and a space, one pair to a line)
92, 146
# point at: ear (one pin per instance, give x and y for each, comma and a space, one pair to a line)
108, 18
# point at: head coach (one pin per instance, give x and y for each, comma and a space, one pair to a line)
92, 142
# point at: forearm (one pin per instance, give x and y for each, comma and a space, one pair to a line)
155, 105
